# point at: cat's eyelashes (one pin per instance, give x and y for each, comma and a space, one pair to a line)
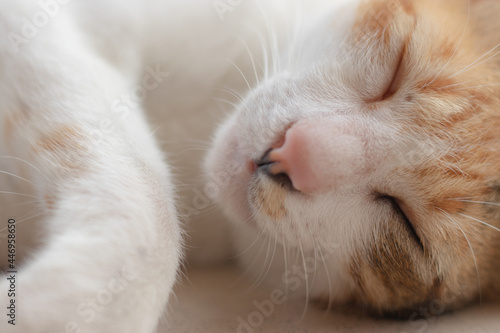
396, 206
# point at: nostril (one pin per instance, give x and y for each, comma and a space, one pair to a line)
283, 180
265, 159
271, 167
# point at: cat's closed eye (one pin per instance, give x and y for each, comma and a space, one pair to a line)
396, 205
397, 77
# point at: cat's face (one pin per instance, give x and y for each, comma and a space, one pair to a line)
380, 140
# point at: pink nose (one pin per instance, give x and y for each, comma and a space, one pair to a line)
318, 155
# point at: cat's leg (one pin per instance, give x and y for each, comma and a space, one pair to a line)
111, 234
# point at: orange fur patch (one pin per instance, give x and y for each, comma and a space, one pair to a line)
64, 138
270, 198
66, 145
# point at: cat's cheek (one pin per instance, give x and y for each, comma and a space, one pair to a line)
230, 171
235, 201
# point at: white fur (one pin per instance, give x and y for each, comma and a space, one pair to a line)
121, 213
112, 242
103, 256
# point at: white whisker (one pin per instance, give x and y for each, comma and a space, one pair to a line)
480, 86
272, 39
259, 235
234, 105
237, 96
477, 220
478, 202
265, 56
271, 261
327, 271
251, 266
252, 59
24, 220
306, 277
20, 194
241, 72
475, 64
233, 93
455, 84
314, 254
27, 163
16, 176
286, 267
260, 278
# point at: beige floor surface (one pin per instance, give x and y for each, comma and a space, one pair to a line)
218, 301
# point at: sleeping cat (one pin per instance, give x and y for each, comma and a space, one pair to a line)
375, 146
366, 151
